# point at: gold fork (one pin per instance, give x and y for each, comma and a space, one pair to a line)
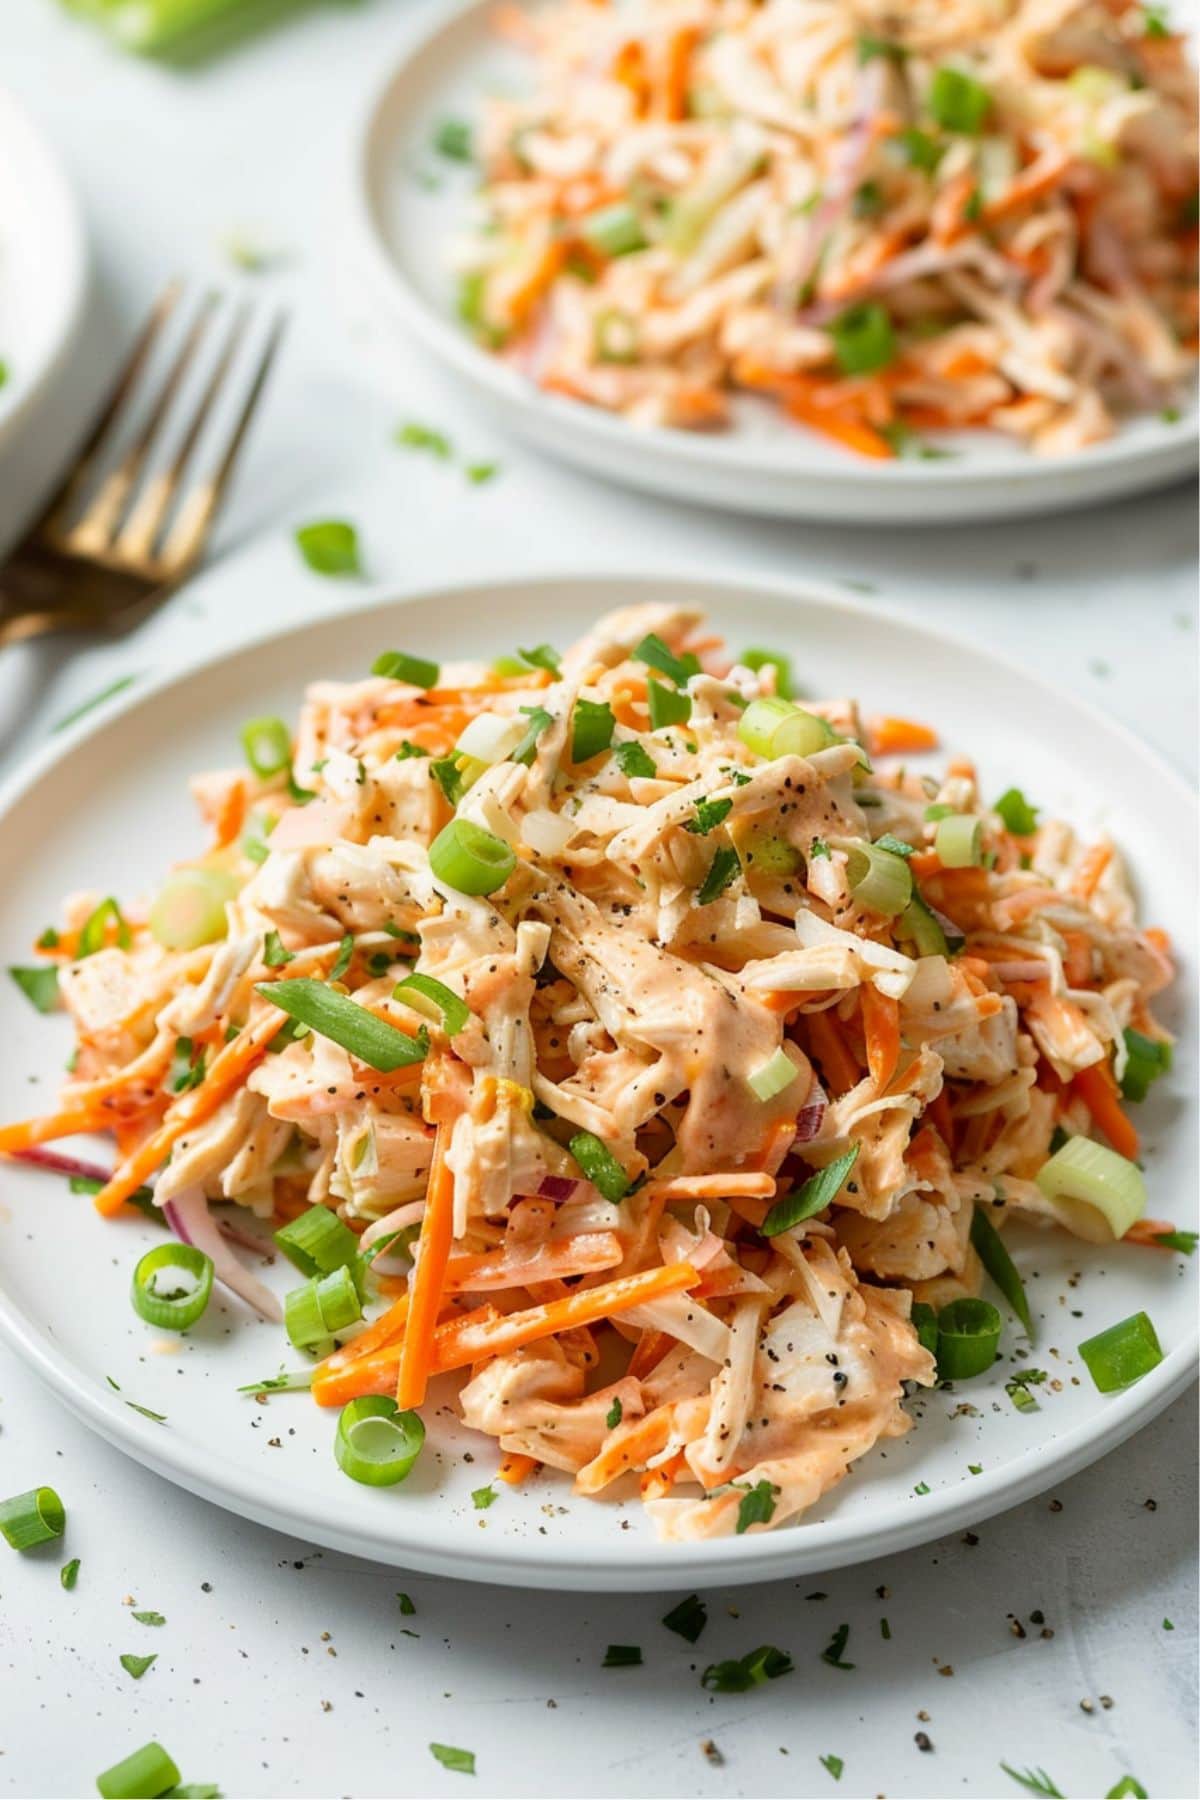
112, 544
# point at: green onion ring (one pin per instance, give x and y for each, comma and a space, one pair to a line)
32, 1518
177, 1310
377, 1444
968, 1338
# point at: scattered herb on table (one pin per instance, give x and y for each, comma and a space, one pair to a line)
622, 1656
461, 1762
688, 1619
137, 1665
832, 1653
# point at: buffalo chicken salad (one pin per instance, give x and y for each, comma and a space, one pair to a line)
659, 1058
885, 220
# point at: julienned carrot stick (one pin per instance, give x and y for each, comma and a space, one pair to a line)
376, 1372
1095, 1089
229, 1068
837, 1065
1091, 867
429, 1278
51, 1125
516, 1468
895, 737
881, 1028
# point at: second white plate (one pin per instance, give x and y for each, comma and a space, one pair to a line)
406, 205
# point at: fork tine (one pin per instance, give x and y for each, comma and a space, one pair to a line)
141, 528
94, 533
62, 504
187, 536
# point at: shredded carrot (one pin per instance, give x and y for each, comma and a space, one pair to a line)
1041, 177
651, 1347
1096, 1089
515, 1468
673, 100
1148, 1232
843, 427
774, 1147
429, 1277
881, 1028
828, 1047
43, 1130
1091, 868
630, 1446
227, 1071
715, 1187
896, 737
657, 1483
753, 1211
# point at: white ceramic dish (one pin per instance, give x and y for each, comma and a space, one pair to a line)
43, 264
403, 223
104, 806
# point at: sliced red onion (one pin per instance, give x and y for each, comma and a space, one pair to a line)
557, 1187
954, 934
63, 1165
809, 1121
237, 1236
191, 1220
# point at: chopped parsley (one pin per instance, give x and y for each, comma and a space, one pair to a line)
448, 776
757, 1507
655, 654
453, 139
737, 1675
149, 1618
922, 1487
1018, 1385
832, 1653
187, 1068
833, 1764
341, 961
633, 760
721, 871
137, 1665
709, 814
622, 1656
68, 1575
408, 750
414, 436
819, 848
542, 656
275, 952
407, 1609
614, 1415
483, 1497
1019, 817
460, 1762
39, 986
539, 719
688, 1619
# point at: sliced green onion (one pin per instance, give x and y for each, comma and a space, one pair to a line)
600, 1166
968, 1339
341, 961
592, 727
323, 1307
633, 760
622, 1656
32, 1518
525, 750
436, 1001
613, 230
920, 926
924, 1323
490, 738
993, 1254
767, 853
453, 139
470, 859
335, 1016
95, 928
286, 1381
777, 1073
1146, 1059
655, 654
615, 336
1019, 817
268, 746
508, 668
957, 101
542, 656
771, 659
39, 986
879, 879
920, 150
1091, 1183
667, 706
958, 841
818, 1192
398, 665
376, 1443
172, 1286
317, 1242
189, 908
330, 547
776, 727
145, 1775
68, 1575
863, 340
1118, 1357
459, 1762
721, 871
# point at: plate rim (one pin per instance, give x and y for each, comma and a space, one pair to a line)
649, 1566
1168, 457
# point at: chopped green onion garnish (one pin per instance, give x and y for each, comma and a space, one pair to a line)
94, 933
408, 750
526, 748
615, 336
483, 1497
633, 760
613, 230
414, 436
146, 1774
776, 727
189, 908
863, 340
920, 150
834, 1764
330, 547
968, 1338
68, 1575
818, 1192
172, 1286
325, 1305
721, 871
285, 1382
958, 841
542, 656
957, 101
924, 1323
435, 1000
600, 1166
39, 986
398, 665
688, 1619
622, 1656
1091, 1184
335, 1016
268, 746
137, 1665
1118, 1357
377, 1444
738, 1674
991, 1251
453, 139
776, 1074
834, 1649
771, 659
317, 1242
655, 654
275, 951
667, 706
1019, 817
459, 1762
921, 928
1146, 1059
341, 961
592, 727
1183, 1241
614, 1415
879, 879
32, 1518
470, 859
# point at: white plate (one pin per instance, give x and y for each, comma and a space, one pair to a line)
43, 263
106, 806
402, 229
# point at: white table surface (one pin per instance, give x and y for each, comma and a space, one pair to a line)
284, 1670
